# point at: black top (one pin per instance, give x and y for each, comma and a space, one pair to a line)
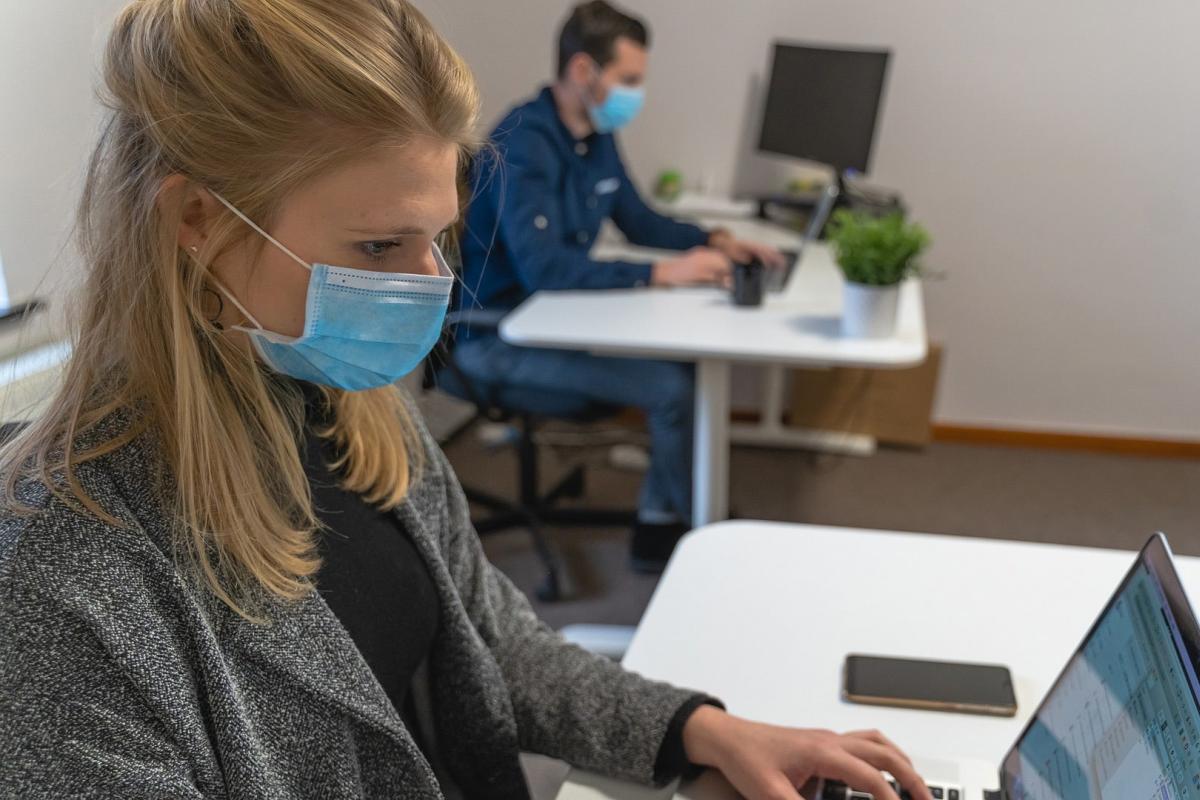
371, 575
378, 586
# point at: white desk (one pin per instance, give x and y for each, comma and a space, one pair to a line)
28, 380
797, 327
761, 615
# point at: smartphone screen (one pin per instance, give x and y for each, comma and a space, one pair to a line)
979, 688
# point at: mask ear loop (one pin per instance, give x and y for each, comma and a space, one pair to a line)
266, 236
263, 233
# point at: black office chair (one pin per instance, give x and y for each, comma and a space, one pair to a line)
528, 408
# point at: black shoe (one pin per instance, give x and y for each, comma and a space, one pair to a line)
652, 544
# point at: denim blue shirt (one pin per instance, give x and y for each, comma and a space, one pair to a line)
539, 200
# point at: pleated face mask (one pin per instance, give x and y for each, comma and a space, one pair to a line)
362, 329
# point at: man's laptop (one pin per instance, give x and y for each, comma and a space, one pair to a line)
1121, 722
777, 280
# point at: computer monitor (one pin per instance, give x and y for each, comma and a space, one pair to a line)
823, 104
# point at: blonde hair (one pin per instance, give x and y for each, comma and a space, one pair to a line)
249, 98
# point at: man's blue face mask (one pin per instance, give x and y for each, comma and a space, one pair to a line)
620, 108
362, 329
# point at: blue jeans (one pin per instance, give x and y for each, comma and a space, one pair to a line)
662, 389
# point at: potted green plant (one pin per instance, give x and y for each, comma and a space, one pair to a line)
875, 254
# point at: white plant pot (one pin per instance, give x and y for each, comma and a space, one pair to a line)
869, 312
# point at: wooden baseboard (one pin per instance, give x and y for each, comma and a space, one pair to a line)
1042, 440
1156, 448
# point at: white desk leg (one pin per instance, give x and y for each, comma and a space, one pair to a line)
710, 481
771, 432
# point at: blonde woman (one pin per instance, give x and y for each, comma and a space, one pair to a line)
232, 561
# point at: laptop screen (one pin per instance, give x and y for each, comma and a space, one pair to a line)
1122, 722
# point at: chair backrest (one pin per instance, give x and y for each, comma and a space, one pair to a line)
441, 371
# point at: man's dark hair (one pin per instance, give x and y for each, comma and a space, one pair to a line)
594, 28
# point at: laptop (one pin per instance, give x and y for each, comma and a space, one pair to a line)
1121, 722
777, 279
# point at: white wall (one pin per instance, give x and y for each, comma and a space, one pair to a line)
48, 123
1053, 149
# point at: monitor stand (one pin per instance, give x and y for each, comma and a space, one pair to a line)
819, 204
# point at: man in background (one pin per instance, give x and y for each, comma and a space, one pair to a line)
531, 227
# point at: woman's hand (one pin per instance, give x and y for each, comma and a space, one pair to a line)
766, 762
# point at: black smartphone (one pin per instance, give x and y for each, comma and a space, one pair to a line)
931, 685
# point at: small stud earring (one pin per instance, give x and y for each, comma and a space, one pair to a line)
194, 249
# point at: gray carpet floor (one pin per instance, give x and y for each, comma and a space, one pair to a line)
1073, 498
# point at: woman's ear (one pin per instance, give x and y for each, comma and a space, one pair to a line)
194, 206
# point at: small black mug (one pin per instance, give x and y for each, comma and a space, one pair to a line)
749, 283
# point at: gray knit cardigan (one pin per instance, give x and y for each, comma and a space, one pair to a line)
121, 677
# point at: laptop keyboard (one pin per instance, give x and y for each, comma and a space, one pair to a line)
777, 279
832, 790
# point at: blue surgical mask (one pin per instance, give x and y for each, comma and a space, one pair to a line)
362, 329
620, 108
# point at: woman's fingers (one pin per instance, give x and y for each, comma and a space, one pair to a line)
889, 759
879, 738
840, 765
